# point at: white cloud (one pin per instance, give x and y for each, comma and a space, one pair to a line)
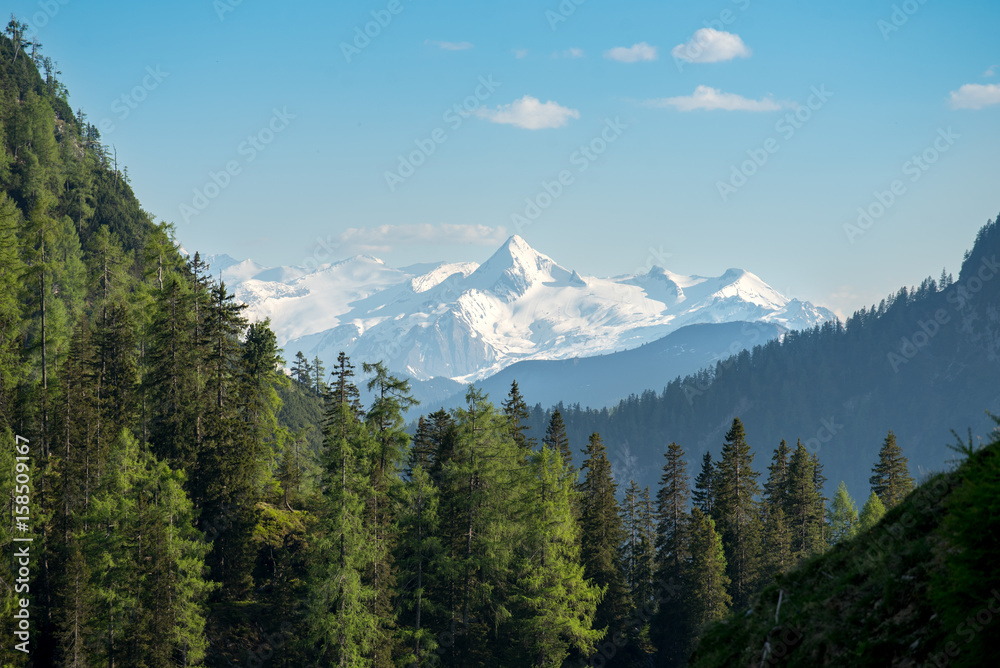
384, 238
991, 71
708, 98
633, 54
708, 45
450, 46
975, 96
530, 114
569, 53
520, 53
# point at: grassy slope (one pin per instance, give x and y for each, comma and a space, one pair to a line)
898, 595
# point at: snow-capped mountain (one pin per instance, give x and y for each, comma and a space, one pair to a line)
468, 321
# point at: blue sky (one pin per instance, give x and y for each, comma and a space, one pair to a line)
717, 134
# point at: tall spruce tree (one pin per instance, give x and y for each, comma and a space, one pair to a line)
556, 438
418, 552
346, 628
669, 630
705, 581
483, 480
803, 505
385, 422
516, 410
602, 537
737, 515
891, 480
704, 486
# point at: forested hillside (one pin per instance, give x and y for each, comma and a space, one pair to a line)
919, 588
176, 499
922, 362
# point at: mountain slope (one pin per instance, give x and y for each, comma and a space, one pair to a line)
923, 362
919, 588
604, 380
467, 321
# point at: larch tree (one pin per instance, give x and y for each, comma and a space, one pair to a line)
871, 513
843, 516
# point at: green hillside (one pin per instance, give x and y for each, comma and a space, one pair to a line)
920, 588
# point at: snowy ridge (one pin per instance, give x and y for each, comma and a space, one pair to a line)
467, 321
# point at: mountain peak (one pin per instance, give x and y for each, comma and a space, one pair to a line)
514, 268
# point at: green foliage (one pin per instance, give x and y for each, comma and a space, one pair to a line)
737, 515
516, 411
705, 581
871, 513
968, 589
843, 516
803, 505
602, 536
891, 479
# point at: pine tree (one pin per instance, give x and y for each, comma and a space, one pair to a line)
301, 371
344, 392
891, 480
645, 592
556, 439
482, 482
632, 549
871, 513
432, 438
843, 516
385, 421
11, 268
803, 505
343, 625
669, 630
171, 383
704, 486
226, 472
738, 518
516, 411
318, 384
554, 604
602, 537
776, 487
418, 553
819, 484
778, 557
705, 579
